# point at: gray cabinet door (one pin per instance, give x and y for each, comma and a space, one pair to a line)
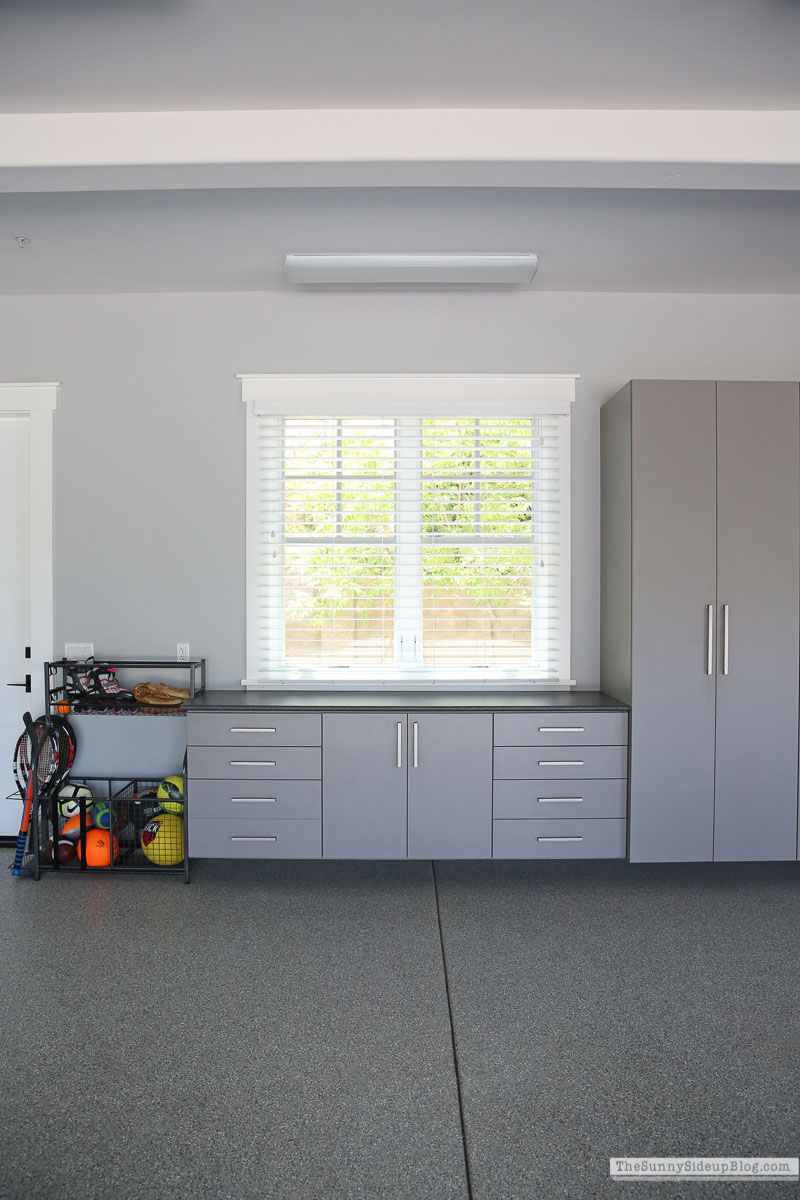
450, 785
758, 566
364, 810
673, 438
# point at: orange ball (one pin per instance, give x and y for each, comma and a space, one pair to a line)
99, 848
72, 828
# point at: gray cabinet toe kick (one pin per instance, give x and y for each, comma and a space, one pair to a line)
418, 783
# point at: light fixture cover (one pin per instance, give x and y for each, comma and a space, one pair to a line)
432, 270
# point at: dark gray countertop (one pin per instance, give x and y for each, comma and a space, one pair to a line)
401, 701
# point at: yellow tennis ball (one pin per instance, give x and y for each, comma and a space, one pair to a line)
162, 840
170, 793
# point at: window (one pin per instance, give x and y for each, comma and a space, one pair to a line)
408, 528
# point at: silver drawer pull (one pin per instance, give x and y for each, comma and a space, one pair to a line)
251, 762
561, 729
254, 839
251, 729
560, 762
559, 839
559, 799
253, 799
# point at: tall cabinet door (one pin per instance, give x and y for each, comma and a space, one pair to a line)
450, 785
673, 549
364, 784
758, 525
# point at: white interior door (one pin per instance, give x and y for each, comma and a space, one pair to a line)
15, 583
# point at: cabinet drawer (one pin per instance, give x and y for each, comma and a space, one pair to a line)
254, 762
561, 762
560, 839
554, 798
249, 798
561, 729
254, 729
243, 838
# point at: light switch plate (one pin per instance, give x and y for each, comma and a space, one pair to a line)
76, 651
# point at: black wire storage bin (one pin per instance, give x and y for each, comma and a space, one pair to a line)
125, 828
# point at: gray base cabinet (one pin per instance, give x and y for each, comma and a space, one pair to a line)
415, 785
560, 785
450, 785
254, 786
364, 785
419, 784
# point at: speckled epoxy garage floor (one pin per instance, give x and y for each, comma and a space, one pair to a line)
486, 1030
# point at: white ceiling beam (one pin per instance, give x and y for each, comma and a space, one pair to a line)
400, 147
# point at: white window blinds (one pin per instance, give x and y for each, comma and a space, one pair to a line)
427, 548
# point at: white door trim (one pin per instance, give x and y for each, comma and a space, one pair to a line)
37, 402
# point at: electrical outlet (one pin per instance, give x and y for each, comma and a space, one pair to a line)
183, 651
76, 651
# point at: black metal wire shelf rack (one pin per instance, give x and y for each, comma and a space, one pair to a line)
60, 697
122, 827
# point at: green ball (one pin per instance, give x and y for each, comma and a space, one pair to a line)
102, 815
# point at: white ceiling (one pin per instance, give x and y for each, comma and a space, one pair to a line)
587, 240
95, 55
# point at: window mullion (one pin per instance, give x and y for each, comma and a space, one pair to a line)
274, 550
408, 543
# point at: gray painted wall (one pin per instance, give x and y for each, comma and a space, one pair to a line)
149, 436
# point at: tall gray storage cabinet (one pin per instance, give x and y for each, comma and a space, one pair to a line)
700, 596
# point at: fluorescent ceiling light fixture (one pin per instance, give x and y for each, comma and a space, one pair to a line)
383, 270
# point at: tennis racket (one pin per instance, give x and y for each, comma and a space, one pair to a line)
39, 742
37, 747
66, 749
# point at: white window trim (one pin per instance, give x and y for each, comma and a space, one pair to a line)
37, 402
401, 395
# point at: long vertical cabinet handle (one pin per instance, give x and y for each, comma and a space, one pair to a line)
399, 744
710, 639
415, 759
725, 639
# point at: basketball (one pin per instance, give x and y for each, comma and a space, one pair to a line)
162, 840
69, 799
170, 793
99, 848
66, 851
102, 815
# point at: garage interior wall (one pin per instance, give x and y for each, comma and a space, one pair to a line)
149, 432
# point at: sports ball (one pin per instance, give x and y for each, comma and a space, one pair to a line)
69, 799
145, 806
72, 829
102, 815
99, 848
170, 793
162, 840
66, 851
